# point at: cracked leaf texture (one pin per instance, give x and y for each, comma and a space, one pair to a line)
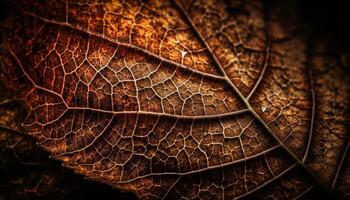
181, 99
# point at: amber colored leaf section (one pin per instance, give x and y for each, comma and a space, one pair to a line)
26, 170
180, 99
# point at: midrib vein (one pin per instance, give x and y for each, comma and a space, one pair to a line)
246, 102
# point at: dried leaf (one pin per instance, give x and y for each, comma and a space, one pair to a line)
181, 99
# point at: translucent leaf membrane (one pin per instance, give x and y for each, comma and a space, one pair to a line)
181, 99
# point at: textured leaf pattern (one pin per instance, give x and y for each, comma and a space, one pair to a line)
181, 99
27, 172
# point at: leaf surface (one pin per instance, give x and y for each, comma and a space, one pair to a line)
180, 99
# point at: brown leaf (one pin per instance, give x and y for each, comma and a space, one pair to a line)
181, 99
